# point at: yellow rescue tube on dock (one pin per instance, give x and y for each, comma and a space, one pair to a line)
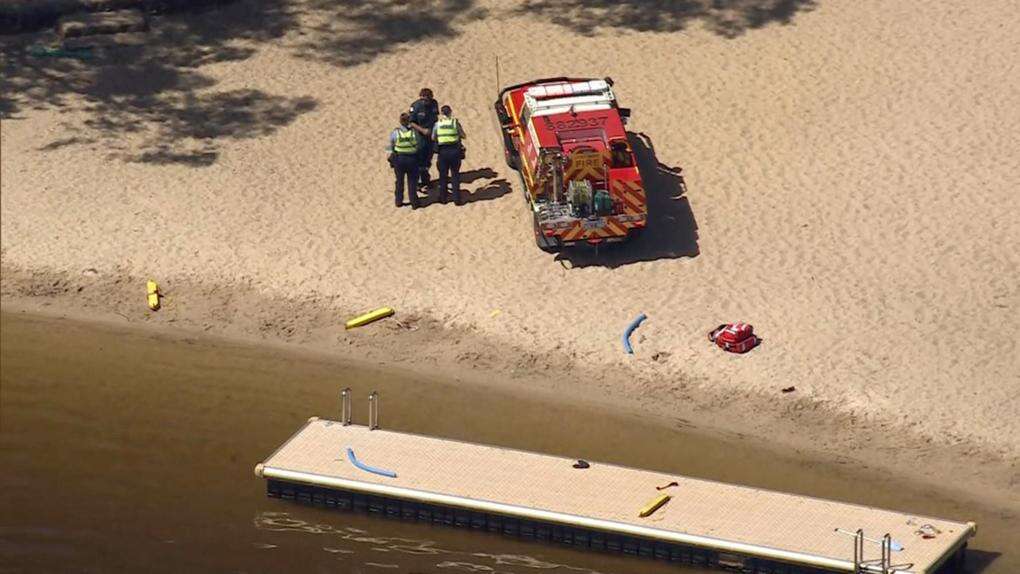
153, 294
367, 318
654, 505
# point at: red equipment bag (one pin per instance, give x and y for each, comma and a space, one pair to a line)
734, 337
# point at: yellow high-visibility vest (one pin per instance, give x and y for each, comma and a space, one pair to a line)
447, 131
407, 142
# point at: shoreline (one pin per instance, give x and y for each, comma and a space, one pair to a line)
410, 343
118, 387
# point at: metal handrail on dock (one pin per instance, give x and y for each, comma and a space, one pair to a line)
345, 406
373, 411
858, 550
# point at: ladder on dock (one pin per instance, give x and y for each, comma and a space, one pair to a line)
881, 565
346, 406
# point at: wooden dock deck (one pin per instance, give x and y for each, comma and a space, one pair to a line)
739, 526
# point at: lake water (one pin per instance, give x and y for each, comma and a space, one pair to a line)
126, 450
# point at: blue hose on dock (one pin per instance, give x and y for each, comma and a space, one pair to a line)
630, 329
380, 471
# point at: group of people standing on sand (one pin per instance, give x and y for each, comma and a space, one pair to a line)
424, 130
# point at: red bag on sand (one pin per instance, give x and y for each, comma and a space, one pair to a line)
734, 337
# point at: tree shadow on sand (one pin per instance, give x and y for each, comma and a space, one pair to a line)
155, 92
158, 94
153, 103
354, 32
728, 18
671, 232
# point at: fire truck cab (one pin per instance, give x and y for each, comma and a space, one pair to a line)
566, 139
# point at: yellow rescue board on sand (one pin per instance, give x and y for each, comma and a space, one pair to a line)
654, 505
367, 318
153, 294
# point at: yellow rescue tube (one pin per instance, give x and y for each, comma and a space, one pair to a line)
367, 318
654, 505
153, 294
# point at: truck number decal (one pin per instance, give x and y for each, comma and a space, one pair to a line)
574, 123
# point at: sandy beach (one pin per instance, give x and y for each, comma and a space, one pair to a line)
851, 183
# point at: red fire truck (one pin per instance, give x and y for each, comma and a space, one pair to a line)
566, 139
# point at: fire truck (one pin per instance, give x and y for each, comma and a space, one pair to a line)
566, 139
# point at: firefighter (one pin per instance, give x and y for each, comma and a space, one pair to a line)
424, 113
448, 136
405, 157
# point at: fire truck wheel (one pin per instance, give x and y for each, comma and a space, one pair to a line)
547, 244
513, 159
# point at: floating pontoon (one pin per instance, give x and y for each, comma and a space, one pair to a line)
545, 497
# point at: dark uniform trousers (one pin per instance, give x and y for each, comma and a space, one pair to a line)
449, 171
405, 166
426, 160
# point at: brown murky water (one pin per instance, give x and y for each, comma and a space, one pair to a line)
124, 450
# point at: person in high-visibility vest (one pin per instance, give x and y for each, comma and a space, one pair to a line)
405, 157
448, 135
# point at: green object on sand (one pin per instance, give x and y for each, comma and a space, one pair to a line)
47, 52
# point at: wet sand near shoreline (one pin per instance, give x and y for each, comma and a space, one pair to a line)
127, 449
